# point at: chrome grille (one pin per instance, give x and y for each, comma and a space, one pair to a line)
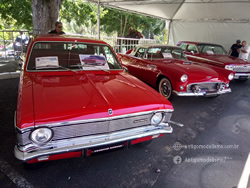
97, 127
204, 86
242, 68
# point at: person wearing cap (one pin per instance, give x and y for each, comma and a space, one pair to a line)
58, 29
234, 49
244, 51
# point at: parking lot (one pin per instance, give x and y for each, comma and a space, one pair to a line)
209, 151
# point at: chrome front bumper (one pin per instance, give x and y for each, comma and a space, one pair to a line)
32, 151
238, 75
202, 93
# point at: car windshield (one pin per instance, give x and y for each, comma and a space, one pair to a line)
72, 55
165, 52
211, 49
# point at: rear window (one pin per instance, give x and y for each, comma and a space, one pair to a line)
68, 55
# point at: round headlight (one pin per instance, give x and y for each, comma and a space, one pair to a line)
156, 118
231, 76
41, 135
184, 78
229, 67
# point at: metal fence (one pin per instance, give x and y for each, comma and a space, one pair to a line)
12, 43
120, 44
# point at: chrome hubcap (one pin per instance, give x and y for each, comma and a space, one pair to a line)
165, 89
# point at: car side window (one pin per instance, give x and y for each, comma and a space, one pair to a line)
191, 48
140, 52
183, 46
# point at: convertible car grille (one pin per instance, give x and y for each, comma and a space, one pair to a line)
96, 127
244, 68
203, 86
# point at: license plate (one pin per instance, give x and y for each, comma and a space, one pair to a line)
243, 77
211, 93
107, 148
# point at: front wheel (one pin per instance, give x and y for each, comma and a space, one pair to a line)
165, 88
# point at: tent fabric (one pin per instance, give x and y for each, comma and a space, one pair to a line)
223, 33
214, 21
185, 9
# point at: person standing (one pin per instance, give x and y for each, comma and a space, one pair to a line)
234, 49
244, 51
58, 29
21, 42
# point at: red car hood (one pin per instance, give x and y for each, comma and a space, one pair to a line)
224, 59
87, 96
194, 70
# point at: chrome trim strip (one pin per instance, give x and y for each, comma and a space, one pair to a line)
237, 75
32, 151
201, 58
202, 93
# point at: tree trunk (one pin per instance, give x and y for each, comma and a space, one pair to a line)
45, 14
120, 33
125, 24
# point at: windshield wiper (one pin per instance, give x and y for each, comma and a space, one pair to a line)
53, 66
91, 66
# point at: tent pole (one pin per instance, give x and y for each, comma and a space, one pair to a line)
169, 27
98, 20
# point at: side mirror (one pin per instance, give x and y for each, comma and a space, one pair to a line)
125, 69
192, 52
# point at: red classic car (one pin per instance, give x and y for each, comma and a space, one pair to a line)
167, 69
68, 110
215, 54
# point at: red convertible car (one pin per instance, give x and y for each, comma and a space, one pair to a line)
215, 54
167, 69
65, 110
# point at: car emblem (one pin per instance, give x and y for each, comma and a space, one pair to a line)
208, 77
110, 112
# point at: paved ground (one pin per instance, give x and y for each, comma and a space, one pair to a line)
220, 121
9, 65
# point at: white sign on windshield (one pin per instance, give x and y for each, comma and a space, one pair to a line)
93, 62
47, 61
167, 55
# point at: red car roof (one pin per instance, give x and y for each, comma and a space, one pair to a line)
191, 42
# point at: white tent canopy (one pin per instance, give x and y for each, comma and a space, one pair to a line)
185, 9
216, 21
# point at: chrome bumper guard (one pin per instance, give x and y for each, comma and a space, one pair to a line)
238, 75
202, 93
32, 151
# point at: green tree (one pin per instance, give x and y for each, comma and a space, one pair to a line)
17, 13
120, 22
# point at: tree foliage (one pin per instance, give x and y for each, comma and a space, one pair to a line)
80, 15
80, 12
17, 13
121, 22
